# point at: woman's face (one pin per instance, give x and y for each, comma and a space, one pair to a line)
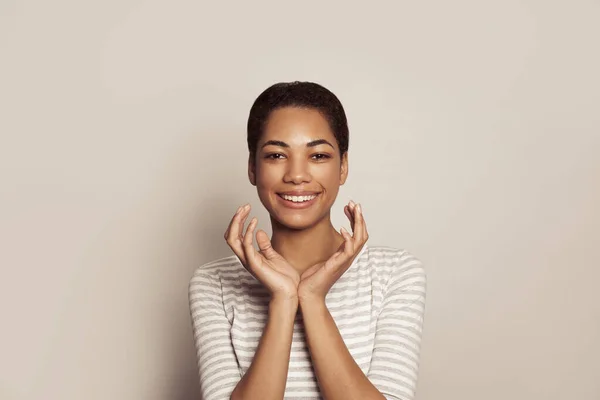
297, 169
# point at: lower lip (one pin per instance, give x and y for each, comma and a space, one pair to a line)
299, 205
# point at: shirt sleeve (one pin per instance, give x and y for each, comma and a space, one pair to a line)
395, 362
217, 363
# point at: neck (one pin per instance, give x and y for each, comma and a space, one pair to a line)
307, 247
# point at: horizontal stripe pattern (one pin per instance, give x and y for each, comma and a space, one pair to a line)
378, 306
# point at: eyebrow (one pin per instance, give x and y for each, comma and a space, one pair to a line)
284, 144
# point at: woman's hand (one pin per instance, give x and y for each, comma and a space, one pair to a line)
266, 265
316, 281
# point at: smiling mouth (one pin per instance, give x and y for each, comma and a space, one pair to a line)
299, 199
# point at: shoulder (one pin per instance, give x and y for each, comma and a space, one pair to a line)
395, 264
211, 272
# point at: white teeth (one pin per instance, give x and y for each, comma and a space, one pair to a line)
298, 199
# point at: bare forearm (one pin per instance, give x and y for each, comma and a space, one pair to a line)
267, 375
339, 377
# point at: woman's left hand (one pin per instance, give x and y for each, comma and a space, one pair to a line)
316, 281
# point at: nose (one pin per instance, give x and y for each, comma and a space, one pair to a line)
297, 172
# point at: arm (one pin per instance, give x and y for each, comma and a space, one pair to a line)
218, 367
267, 376
217, 363
394, 364
339, 377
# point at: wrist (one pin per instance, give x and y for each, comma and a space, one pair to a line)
284, 302
309, 302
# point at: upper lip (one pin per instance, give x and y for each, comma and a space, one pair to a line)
299, 193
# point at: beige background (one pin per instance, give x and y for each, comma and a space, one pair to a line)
475, 135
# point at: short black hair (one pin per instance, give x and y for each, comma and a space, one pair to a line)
302, 95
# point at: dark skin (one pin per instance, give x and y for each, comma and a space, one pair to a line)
306, 254
298, 156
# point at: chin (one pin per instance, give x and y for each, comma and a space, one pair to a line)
298, 219
296, 222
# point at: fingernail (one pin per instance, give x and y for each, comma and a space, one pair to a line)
359, 208
247, 206
352, 203
238, 210
343, 230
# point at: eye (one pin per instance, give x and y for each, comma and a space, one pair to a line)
321, 156
274, 156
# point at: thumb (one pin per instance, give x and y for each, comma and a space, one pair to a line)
312, 270
264, 244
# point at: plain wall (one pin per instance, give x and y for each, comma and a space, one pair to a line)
475, 140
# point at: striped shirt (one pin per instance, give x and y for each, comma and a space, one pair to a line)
377, 305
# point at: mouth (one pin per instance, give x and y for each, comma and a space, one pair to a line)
298, 202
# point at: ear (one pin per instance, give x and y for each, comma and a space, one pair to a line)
252, 170
344, 168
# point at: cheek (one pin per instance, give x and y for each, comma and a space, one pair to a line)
328, 177
266, 178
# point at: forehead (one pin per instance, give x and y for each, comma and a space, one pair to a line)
297, 126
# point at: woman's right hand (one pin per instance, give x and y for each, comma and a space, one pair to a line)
266, 265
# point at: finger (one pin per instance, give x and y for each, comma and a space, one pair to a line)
233, 219
309, 272
264, 244
335, 262
244, 213
363, 226
233, 237
349, 215
348, 249
351, 206
352, 209
358, 232
237, 235
249, 250
347, 253
237, 224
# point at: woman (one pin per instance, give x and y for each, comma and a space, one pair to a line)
313, 313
